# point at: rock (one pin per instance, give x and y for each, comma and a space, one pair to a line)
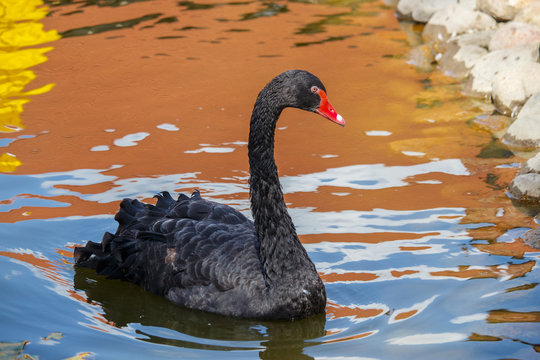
532, 165
425, 12
502, 10
470, 4
512, 86
495, 124
404, 9
530, 80
457, 61
525, 187
421, 10
532, 238
524, 192
530, 14
454, 20
485, 69
478, 38
514, 34
524, 133
507, 92
531, 108
462, 52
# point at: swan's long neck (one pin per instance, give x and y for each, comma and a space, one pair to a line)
280, 249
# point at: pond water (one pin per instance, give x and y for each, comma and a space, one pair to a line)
403, 211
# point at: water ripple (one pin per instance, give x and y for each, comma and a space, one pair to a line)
372, 177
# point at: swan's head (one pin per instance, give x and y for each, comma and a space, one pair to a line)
305, 91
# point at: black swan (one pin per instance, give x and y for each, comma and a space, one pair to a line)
208, 256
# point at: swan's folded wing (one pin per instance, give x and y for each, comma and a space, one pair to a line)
212, 254
186, 243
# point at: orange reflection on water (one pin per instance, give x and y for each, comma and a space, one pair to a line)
511, 271
48, 268
517, 248
336, 311
506, 316
350, 276
348, 338
368, 238
400, 273
414, 248
406, 315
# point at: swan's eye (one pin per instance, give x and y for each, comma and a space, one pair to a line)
314, 89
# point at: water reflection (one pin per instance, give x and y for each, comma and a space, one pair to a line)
85, 3
117, 25
406, 313
428, 339
154, 319
371, 176
20, 28
271, 9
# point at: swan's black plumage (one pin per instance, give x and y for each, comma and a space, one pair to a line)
208, 256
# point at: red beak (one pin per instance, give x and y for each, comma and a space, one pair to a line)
327, 110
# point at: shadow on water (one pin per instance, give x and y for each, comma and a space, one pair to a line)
124, 303
84, 3
90, 30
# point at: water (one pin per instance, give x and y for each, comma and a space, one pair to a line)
403, 210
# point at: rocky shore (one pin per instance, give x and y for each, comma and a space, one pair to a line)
493, 46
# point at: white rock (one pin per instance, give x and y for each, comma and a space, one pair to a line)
421, 10
524, 133
469, 55
531, 79
533, 164
507, 91
514, 34
532, 107
489, 65
470, 4
457, 61
530, 14
478, 38
512, 86
426, 9
502, 9
454, 20
406, 7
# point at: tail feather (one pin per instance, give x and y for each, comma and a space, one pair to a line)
164, 200
127, 213
106, 242
113, 256
90, 256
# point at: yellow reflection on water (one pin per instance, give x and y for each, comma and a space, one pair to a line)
8, 162
20, 28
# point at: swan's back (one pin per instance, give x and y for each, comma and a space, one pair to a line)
195, 252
